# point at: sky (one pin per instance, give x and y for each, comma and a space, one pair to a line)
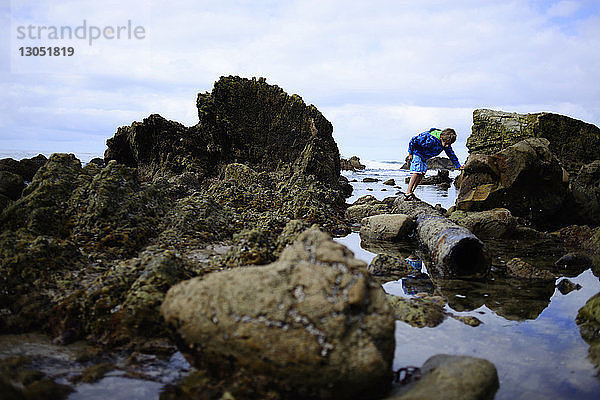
381, 71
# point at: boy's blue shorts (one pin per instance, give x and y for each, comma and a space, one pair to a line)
418, 165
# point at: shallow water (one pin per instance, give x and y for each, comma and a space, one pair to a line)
135, 377
528, 331
431, 194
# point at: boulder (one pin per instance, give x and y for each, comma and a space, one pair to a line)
574, 260
11, 185
122, 302
452, 378
370, 180
418, 312
574, 142
442, 178
312, 321
565, 286
524, 178
357, 212
592, 243
390, 266
518, 268
434, 163
34, 271
491, 224
241, 121
26, 168
387, 227
351, 164
586, 193
440, 163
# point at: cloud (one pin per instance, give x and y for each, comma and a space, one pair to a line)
380, 72
563, 9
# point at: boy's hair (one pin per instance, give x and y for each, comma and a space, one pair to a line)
448, 135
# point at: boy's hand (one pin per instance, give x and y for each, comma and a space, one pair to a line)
410, 157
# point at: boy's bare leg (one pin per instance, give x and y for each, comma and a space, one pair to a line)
415, 179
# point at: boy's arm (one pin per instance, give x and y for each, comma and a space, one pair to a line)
452, 156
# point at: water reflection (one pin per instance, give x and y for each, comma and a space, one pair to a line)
510, 298
528, 329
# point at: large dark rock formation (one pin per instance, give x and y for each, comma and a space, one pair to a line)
351, 164
574, 142
525, 178
89, 251
240, 121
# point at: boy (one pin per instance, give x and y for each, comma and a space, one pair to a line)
424, 146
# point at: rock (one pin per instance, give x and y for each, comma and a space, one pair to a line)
574, 142
593, 242
468, 320
586, 193
198, 217
34, 270
352, 164
123, 302
434, 163
588, 319
574, 259
183, 189
25, 168
452, 378
419, 312
524, 178
345, 186
520, 269
491, 224
390, 182
565, 286
370, 180
113, 213
442, 178
356, 213
11, 185
317, 297
367, 199
97, 161
441, 163
575, 235
390, 266
244, 121
19, 380
387, 227
42, 206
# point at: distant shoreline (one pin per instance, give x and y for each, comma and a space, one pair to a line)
84, 157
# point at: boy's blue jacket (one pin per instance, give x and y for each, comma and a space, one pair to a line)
425, 145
